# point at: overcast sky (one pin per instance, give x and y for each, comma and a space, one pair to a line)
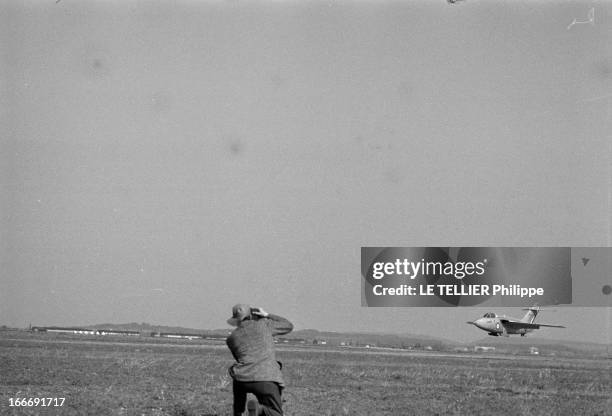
162, 161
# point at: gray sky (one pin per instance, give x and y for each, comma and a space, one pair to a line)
162, 161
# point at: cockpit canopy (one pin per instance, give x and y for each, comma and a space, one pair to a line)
489, 315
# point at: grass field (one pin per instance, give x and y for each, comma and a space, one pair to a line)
116, 377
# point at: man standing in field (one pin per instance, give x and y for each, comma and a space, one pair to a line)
256, 370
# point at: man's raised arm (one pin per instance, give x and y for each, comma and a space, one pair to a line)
280, 325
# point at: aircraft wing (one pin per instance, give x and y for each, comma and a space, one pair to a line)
524, 325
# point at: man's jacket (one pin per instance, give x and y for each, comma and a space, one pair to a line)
252, 345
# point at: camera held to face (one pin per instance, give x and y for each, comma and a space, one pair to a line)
255, 314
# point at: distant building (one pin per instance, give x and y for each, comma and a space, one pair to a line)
180, 335
215, 338
60, 330
480, 348
117, 332
296, 340
38, 329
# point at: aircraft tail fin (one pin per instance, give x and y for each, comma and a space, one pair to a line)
531, 314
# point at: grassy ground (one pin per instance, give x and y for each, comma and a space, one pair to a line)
136, 378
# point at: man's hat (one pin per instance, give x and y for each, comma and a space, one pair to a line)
239, 313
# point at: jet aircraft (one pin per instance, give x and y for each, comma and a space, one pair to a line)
497, 325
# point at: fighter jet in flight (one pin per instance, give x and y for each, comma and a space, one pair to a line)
497, 325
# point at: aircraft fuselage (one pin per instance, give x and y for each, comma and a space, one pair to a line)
495, 328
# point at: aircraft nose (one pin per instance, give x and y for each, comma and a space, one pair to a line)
479, 323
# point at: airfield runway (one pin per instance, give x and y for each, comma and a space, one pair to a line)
315, 349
